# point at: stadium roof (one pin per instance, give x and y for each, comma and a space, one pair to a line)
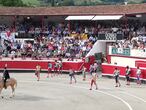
76, 10
99, 17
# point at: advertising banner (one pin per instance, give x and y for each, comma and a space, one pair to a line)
110, 36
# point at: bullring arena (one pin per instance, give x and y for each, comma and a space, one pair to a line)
86, 42
56, 93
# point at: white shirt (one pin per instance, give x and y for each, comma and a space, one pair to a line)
138, 72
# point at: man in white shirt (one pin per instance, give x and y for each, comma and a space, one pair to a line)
138, 73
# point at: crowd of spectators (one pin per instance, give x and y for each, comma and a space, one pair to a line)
135, 37
57, 41
63, 40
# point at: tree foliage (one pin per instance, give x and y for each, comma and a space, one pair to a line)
113, 1
66, 3
144, 1
116, 1
11, 3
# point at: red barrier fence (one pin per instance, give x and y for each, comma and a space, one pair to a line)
108, 69
31, 65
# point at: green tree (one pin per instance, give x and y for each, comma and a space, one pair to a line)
84, 3
11, 2
67, 3
113, 1
144, 1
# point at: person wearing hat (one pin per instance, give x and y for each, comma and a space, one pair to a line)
5, 76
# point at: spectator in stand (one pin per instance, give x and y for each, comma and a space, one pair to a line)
13, 54
1, 50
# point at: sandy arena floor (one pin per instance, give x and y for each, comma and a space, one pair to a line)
57, 94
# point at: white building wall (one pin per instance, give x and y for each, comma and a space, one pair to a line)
124, 61
98, 47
